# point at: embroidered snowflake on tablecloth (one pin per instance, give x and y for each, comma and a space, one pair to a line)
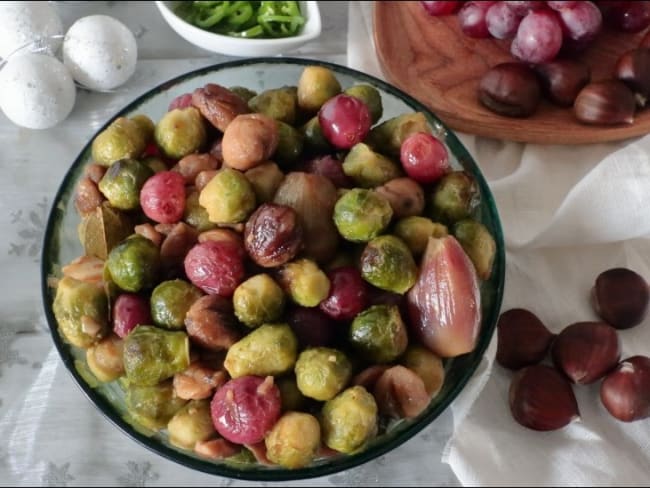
9, 356
30, 233
138, 474
57, 475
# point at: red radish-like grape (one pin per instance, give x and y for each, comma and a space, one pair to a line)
181, 101
539, 37
312, 327
562, 4
348, 294
502, 21
628, 16
522, 8
582, 22
344, 120
436, 8
471, 18
162, 197
424, 158
215, 266
331, 168
129, 311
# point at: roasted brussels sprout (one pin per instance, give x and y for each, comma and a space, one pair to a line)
180, 132
271, 349
294, 440
371, 97
388, 136
313, 138
360, 215
122, 183
81, 310
387, 263
170, 301
405, 196
304, 282
258, 300
322, 372
123, 139
265, 180
291, 396
146, 126
134, 264
427, 366
101, 230
479, 245
415, 232
279, 104
349, 420
244, 93
191, 424
105, 359
369, 169
152, 406
317, 84
228, 197
155, 164
152, 355
379, 334
455, 197
195, 214
290, 145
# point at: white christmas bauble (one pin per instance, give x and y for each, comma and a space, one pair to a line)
24, 22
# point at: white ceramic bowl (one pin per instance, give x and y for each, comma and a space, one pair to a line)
234, 46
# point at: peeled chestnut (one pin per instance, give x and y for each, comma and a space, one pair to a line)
586, 351
608, 102
620, 297
510, 89
562, 80
522, 339
633, 69
542, 399
625, 392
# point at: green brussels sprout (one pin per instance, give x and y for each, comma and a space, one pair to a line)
228, 197
479, 245
294, 440
134, 263
191, 424
387, 263
370, 96
258, 300
152, 406
316, 85
322, 372
195, 215
180, 132
155, 164
388, 136
105, 359
271, 349
152, 355
379, 333
103, 229
369, 169
360, 215
290, 144
243, 92
146, 126
342, 258
265, 180
427, 366
304, 282
349, 420
123, 139
81, 311
454, 198
170, 301
415, 232
280, 104
290, 395
122, 183
313, 138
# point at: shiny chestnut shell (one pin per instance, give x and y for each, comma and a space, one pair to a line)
510, 89
620, 297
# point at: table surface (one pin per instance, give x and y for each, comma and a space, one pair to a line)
53, 436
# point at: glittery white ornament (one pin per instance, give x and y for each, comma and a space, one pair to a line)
22, 23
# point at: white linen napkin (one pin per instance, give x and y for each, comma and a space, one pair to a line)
568, 213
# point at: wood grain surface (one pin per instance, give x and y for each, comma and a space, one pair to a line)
432, 60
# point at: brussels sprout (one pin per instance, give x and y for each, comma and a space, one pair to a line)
152, 406
180, 132
294, 440
105, 359
81, 311
265, 180
290, 144
455, 197
349, 420
379, 333
291, 396
387, 263
427, 366
313, 138
280, 104
228, 197
123, 139
360, 215
104, 228
479, 245
146, 126
155, 164
195, 214
243, 92
258, 300
191, 424
317, 85
304, 282
388, 136
170, 301
322, 372
269, 350
122, 183
134, 263
152, 355
415, 232
369, 169
370, 96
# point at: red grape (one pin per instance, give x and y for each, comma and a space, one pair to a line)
162, 197
628, 16
539, 37
344, 120
472, 19
245, 409
181, 101
424, 158
331, 168
562, 4
129, 311
348, 294
502, 21
581, 22
312, 327
216, 267
522, 8
441, 8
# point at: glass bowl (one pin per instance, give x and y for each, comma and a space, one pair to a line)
61, 245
